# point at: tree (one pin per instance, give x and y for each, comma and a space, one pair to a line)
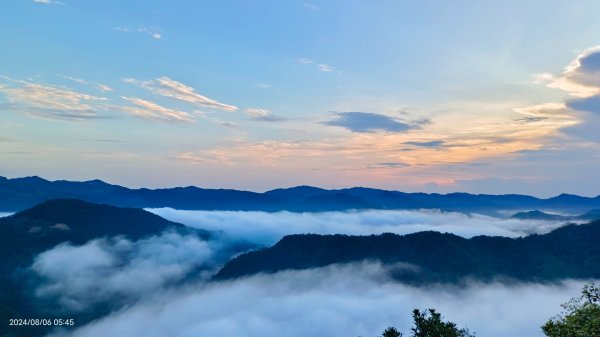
391, 332
429, 323
581, 317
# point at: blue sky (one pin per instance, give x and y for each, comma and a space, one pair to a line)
411, 95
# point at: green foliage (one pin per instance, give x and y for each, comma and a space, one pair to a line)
581, 317
429, 323
391, 332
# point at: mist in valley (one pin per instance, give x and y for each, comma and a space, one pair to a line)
160, 285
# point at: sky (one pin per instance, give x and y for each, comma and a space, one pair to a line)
430, 96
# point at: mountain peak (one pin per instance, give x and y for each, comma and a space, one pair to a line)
88, 220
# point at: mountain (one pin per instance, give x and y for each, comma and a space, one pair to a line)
297, 193
32, 231
21, 193
568, 252
591, 215
52, 222
539, 215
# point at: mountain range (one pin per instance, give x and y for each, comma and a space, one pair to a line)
421, 258
571, 251
22, 193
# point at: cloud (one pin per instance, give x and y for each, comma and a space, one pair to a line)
588, 129
267, 228
50, 101
431, 143
557, 116
342, 161
167, 87
589, 104
128, 270
153, 32
346, 300
151, 110
527, 120
104, 88
256, 112
325, 67
101, 87
368, 122
262, 115
581, 78
320, 66
545, 110
49, 2
388, 165
74, 79
303, 60
150, 283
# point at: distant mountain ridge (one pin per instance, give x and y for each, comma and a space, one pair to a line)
430, 257
591, 215
21, 193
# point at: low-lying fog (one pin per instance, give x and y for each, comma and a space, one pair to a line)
151, 278
351, 300
268, 228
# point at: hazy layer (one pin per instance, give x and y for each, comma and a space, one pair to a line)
268, 228
350, 300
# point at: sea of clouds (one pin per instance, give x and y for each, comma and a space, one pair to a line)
160, 292
350, 300
267, 228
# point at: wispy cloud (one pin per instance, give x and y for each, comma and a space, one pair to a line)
152, 32
74, 79
369, 122
104, 87
325, 67
431, 143
50, 101
49, 2
151, 110
303, 60
320, 66
262, 115
387, 165
101, 87
167, 87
